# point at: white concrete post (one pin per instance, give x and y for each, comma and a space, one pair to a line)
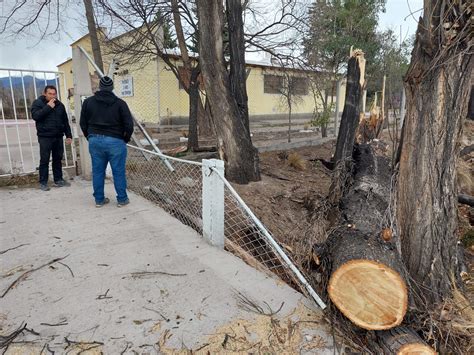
213, 202
82, 89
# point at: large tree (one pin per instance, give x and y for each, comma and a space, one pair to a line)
337, 25
225, 89
437, 87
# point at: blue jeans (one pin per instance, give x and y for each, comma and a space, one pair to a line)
103, 150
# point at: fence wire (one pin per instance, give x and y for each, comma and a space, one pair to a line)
244, 238
179, 192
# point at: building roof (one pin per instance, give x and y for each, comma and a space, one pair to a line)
175, 53
66, 61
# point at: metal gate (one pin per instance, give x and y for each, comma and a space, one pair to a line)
19, 149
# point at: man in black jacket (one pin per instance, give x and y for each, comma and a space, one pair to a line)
107, 123
51, 124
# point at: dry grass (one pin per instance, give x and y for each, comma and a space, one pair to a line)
296, 161
19, 180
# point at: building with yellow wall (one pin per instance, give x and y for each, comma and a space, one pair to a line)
155, 96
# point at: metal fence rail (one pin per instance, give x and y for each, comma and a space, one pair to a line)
19, 150
180, 192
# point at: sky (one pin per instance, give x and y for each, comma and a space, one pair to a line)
23, 54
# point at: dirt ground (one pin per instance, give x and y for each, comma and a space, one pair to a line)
290, 184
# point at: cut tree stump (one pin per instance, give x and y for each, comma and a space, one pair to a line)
403, 341
366, 282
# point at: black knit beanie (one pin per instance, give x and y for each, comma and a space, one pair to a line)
106, 84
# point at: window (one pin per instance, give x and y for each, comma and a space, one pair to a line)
275, 84
272, 84
299, 86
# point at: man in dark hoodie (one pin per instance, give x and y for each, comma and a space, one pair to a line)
51, 125
107, 123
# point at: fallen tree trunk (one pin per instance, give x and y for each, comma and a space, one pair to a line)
367, 278
402, 341
366, 282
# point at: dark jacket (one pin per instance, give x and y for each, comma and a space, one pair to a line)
106, 114
50, 122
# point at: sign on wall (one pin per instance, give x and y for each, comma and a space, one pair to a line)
126, 86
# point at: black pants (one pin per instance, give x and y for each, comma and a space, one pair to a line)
50, 146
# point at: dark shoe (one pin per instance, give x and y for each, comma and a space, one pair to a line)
61, 183
123, 203
44, 187
106, 201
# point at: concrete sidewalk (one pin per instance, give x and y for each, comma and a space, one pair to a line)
134, 279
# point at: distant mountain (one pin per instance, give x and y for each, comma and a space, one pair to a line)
28, 80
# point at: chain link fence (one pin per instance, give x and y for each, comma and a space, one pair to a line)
176, 185
178, 191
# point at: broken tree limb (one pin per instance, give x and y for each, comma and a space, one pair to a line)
350, 114
9, 249
466, 150
6, 340
27, 273
402, 341
349, 122
139, 274
466, 200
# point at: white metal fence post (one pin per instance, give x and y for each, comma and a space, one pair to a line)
213, 202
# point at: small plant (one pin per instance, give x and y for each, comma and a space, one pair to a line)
322, 118
296, 161
283, 155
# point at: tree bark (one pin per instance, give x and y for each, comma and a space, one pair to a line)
367, 276
235, 145
92, 27
237, 75
347, 130
199, 119
206, 127
193, 143
402, 341
350, 114
437, 88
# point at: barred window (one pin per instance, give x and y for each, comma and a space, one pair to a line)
299, 86
272, 84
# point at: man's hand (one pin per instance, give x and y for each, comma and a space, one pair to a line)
51, 103
68, 141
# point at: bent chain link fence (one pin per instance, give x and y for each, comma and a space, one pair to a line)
179, 192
